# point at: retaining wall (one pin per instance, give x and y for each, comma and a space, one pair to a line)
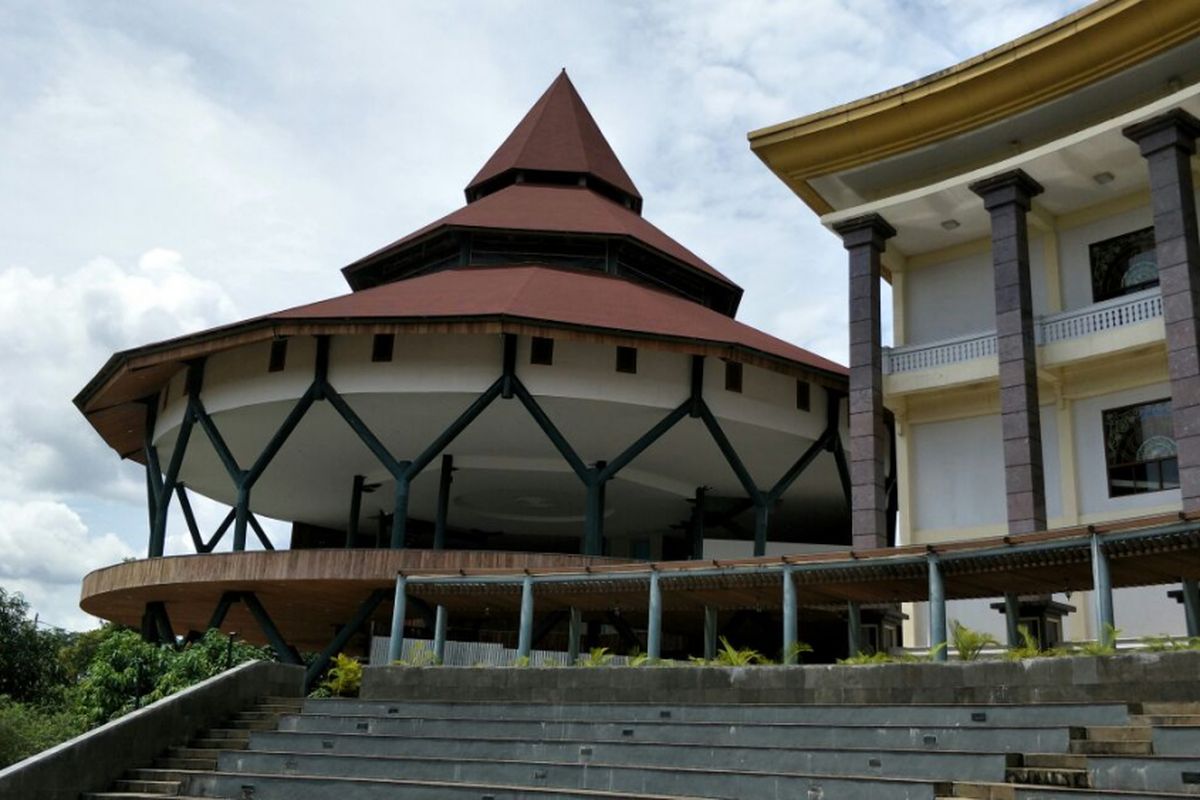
1140, 677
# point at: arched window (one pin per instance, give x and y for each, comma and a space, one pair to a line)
1140, 449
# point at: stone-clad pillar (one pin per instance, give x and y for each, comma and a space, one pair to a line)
1007, 198
864, 238
1168, 143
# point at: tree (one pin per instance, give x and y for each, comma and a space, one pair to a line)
29, 666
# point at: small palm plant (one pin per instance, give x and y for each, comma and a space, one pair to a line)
730, 656
969, 642
1028, 648
596, 657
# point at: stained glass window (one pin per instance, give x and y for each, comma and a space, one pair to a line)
1123, 264
1140, 449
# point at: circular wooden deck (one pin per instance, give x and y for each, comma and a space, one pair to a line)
309, 594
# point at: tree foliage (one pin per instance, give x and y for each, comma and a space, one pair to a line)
55, 685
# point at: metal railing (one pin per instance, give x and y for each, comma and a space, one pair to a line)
1097, 318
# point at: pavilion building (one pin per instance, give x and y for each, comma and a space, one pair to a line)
539, 378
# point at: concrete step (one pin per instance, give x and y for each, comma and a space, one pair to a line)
217, 744
983, 791
1049, 776
1174, 708
1054, 760
1117, 733
253, 724
591, 784
1165, 719
228, 733
1111, 748
502, 763
115, 795
799, 735
188, 764
160, 788
1045, 714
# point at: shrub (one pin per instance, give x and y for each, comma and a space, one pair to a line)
345, 676
26, 729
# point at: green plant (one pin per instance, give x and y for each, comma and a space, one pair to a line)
794, 654
969, 643
26, 729
1028, 648
419, 655
730, 656
1105, 645
1164, 643
860, 658
345, 676
596, 657
638, 659
522, 661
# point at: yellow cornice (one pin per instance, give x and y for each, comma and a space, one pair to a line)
1089, 45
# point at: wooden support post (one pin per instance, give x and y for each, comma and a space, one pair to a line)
791, 633
710, 633
654, 623
1102, 592
525, 631
396, 642
439, 635
1012, 618
937, 609
574, 631
854, 627
1191, 606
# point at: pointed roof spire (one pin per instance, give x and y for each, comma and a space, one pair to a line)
558, 141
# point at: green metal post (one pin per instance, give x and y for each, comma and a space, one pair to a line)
439, 635
525, 632
1012, 618
443, 502
696, 529
400, 509
356, 493
710, 633
242, 518
1191, 606
791, 633
937, 609
574, 631
1102, 588
396, 643
854, 625
593, 521
654, 624
762, 519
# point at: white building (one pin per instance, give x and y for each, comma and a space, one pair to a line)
1034, 193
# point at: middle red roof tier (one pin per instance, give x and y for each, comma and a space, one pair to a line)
556, 296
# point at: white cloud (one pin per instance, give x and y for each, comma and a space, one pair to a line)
46, 549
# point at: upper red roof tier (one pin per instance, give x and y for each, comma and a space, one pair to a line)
558, 135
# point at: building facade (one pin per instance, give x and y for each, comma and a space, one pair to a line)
539, 379
1034, 212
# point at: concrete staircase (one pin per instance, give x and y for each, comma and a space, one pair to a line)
167, 776
363, 749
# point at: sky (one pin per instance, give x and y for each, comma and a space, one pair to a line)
167, 167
